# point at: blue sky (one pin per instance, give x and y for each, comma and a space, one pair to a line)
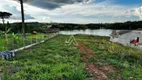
122, 2
75, 11
128, 2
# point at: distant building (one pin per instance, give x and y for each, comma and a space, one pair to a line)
49, 26
114, 34
53, 30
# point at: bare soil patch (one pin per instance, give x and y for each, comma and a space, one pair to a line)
98, 72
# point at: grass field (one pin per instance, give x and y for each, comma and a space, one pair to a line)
125, 59
55, 60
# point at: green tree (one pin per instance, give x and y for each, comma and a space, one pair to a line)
4, 15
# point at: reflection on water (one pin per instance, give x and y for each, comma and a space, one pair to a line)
99, 32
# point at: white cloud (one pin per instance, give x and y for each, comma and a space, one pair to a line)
101, 9
14, 9
77, 12
138, 12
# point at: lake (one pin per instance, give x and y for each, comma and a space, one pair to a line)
98, 32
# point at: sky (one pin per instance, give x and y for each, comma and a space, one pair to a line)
74, 11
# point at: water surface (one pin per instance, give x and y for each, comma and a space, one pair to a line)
98, 32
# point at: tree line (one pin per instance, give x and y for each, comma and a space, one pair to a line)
42, 27
29, 27
129, 25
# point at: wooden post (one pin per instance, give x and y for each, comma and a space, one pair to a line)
31, 41
36, 40
23, 19
13, 44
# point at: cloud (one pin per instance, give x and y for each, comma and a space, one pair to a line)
60, 1
16, 13
138, 12
53, 4
100, 9
44, 4
73, 11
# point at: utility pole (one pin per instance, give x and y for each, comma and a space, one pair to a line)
23, 19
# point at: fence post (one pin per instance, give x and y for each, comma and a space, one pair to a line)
31, 41
36, 40
23, 42
3, 57
13, 53
13, 44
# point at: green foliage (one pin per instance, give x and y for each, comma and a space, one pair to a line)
14, 36
48, 61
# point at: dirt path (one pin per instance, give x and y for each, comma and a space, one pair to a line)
85, 52
98, 72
